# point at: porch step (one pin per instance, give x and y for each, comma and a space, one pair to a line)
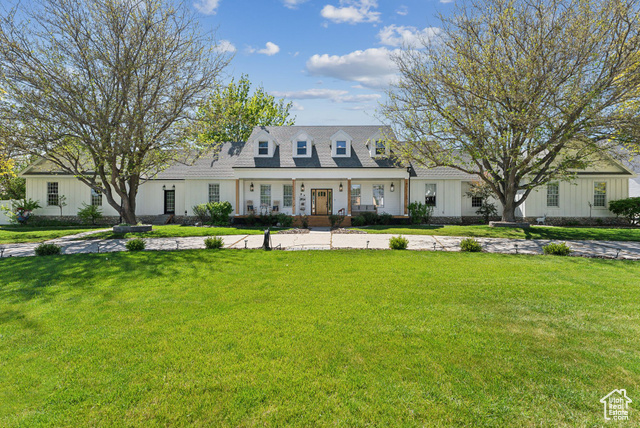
319, 221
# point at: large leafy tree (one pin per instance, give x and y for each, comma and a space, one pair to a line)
520, 92
105, 89
231, 112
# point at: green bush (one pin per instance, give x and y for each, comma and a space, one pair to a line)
358, 221
89, 213
136, 244
201, 211
48, 249
370, 218
419, 213
268, 220
250, 220
470, 245
555, 249
398, 243
385, 219
336, 220
284, 220
628, 208
213, 243
220, 212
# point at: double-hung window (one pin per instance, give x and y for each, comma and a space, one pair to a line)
287, 198
378, 195
430, 194
263, 148
96, 198
302, 148
381, 149
553, 195
355, 194
52, 193
214, 192
265, 195
599, 194
476, 201
341, 148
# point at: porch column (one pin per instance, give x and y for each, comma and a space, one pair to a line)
406, 196
349, 196
293, 196
237, 196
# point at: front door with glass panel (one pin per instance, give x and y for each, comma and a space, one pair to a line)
321, 201
169, 201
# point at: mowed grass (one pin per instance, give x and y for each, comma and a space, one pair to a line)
333, 338
21, 234
175, 231
534, 232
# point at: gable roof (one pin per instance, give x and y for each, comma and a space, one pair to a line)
214, 165
321, 149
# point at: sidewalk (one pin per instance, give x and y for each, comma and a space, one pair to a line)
326, 240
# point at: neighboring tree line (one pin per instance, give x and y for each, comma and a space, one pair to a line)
113, 92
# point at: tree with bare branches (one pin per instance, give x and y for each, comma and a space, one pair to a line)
106, 90
520, 92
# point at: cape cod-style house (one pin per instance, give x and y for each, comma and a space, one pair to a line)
323, 170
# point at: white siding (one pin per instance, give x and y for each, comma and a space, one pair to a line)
197, 192
448, 200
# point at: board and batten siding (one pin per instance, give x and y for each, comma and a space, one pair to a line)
196, 192
448, 200
574, 198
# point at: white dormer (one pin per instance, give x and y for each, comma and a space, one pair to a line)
264, 145
341, 145
378, 146
302, 145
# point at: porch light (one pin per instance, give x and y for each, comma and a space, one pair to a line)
392, 188
251, 187
302, 187
341, 188
174, 187
164, 187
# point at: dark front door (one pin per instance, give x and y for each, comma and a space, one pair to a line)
169, 201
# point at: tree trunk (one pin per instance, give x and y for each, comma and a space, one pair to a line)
128, 212
509, 205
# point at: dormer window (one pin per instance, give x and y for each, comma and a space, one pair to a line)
302, 148
263, 148
381, 148
341, 145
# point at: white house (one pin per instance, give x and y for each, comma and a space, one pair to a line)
322, 170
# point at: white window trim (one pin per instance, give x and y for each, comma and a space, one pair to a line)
57, 193
340, 136
264, 136
373, 193
209, 192
436, 194
558, 195
371, 144
301, 136
284, 205
606, 195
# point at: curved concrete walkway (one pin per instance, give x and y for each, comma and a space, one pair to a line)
326, 240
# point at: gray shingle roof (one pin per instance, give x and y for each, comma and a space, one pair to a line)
218, 165
321, 151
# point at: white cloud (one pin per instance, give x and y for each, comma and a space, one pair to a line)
293, 4
208, 7
270, 49
399, 35
352, 12
403, 11
225, 46
335, 95
297, 106
372, 68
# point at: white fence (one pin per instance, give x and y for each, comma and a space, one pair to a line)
3, 217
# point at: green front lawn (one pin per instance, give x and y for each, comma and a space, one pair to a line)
176, 231
329, 338
21, 234
534, 232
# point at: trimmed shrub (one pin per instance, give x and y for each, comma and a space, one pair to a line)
336, 220
555, 249
48, 249
398, 243
385, 219
136, 244
201, 211
250, 220
284, 220
213, 243
358, 221
419, 213
628, 208
89, 213
220, 212
470, 245
370, 218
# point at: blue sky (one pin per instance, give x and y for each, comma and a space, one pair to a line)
329, 57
